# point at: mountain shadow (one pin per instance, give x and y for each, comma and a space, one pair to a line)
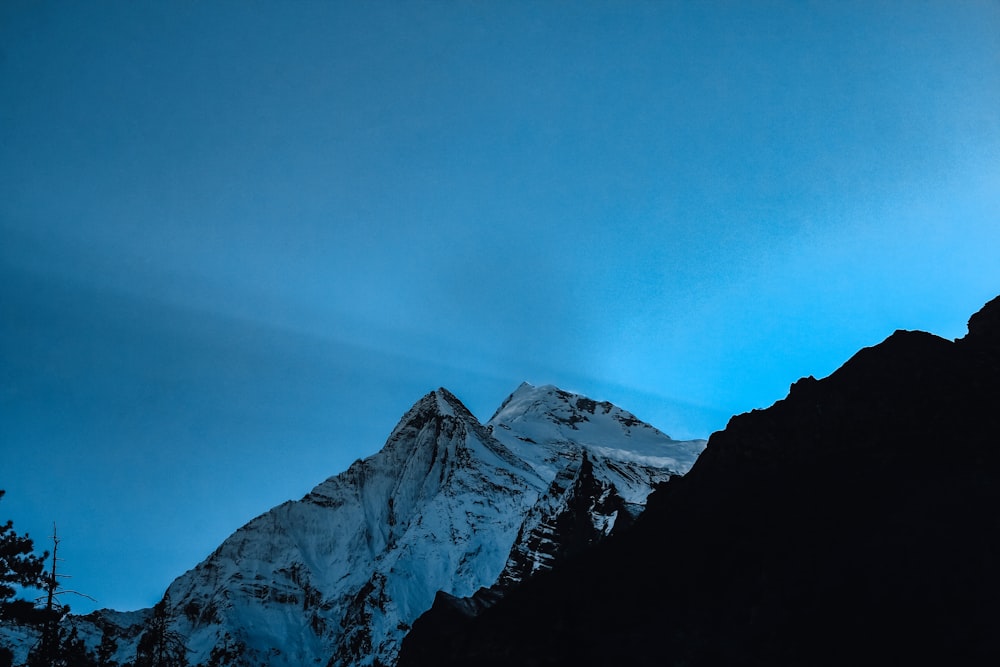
857, 521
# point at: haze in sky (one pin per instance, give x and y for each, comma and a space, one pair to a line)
239, 240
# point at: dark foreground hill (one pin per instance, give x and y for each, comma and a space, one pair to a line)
857, 521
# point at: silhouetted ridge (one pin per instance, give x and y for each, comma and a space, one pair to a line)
853, 522
984, 326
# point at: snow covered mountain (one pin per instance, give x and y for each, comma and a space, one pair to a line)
449, 504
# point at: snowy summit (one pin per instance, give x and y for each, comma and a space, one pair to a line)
448, 504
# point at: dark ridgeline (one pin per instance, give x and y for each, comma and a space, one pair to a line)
857, 521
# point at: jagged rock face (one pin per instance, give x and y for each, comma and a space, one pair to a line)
545, 425
576, 511
338, 576
601, 463
448, 504
853, 522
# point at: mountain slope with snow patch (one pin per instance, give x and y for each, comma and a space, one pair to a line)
448, 504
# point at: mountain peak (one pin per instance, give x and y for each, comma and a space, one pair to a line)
547, 398
449, 404
563, 411
540, 424
447, 504
433, 405
523, 389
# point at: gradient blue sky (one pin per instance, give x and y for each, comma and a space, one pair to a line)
238, 240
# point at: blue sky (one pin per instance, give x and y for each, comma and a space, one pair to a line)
239, 240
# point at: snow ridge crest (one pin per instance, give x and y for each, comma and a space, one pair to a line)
448, 504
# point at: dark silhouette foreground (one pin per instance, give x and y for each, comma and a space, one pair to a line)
857, 521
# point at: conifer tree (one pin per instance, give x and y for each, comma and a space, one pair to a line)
57, 647
159, 646
73, 651
18, 565
107, 649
